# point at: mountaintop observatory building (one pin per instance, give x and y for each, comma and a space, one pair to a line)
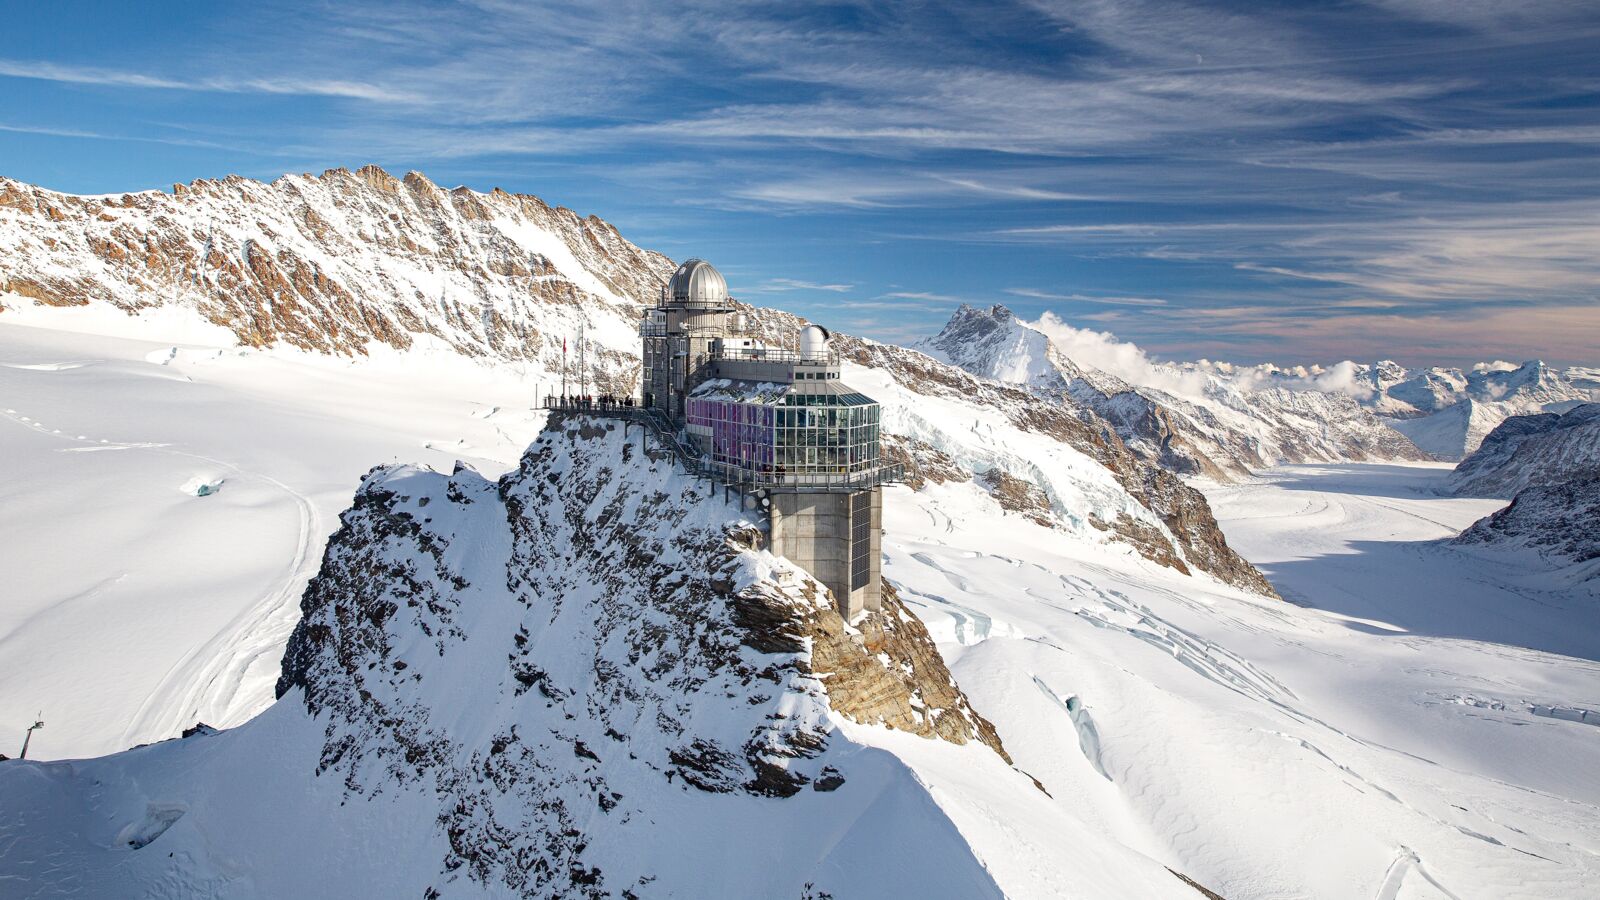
777, 422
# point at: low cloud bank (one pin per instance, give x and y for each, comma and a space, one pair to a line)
1104, 351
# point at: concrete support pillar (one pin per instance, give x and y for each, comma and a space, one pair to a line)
837, 537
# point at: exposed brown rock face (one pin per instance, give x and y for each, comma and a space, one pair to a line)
330, 263
924, 464
913, 691
1018, 496
57, 293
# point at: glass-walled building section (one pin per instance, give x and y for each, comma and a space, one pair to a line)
774, 430
827, 434
741, 434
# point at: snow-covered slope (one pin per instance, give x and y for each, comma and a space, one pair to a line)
332, 263
487, 701
1535, 450
135, 606
1213, 427
585, 680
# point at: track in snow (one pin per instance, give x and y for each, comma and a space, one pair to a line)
205, 683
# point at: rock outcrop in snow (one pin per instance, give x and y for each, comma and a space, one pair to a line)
1560, 521
1218, 429
1549, 465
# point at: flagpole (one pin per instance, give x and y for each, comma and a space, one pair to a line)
563, 370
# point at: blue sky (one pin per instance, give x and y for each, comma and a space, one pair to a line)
1415, 179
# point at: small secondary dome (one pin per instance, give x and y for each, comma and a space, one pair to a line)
697, 283
814, 342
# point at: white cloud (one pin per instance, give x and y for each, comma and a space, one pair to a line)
1340, 378
797, 284
45, 71
1102, 350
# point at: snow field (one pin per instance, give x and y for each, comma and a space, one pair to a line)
135, 608
1416, 721
1270, 749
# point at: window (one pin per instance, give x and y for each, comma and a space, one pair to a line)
799, 434
860, 540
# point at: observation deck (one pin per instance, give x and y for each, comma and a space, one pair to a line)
655, 424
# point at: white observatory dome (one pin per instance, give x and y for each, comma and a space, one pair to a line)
697, 283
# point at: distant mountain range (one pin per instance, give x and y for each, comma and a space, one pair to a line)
1221, 421
1447, 412
1215, 427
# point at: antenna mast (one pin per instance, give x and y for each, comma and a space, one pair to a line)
38, 723
583, 358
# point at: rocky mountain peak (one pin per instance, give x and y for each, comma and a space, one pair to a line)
1536, 449
334, 262
994, 343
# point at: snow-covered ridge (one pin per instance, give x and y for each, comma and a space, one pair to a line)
1549, 465
333, 262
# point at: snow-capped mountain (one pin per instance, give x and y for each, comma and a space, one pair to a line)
570, 682
1214, 428
330, 263
1532, 451
1449, 412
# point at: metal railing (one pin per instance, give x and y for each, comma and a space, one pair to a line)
774, 354
702, 466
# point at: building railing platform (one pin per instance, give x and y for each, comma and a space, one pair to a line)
658, 425
774, 354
